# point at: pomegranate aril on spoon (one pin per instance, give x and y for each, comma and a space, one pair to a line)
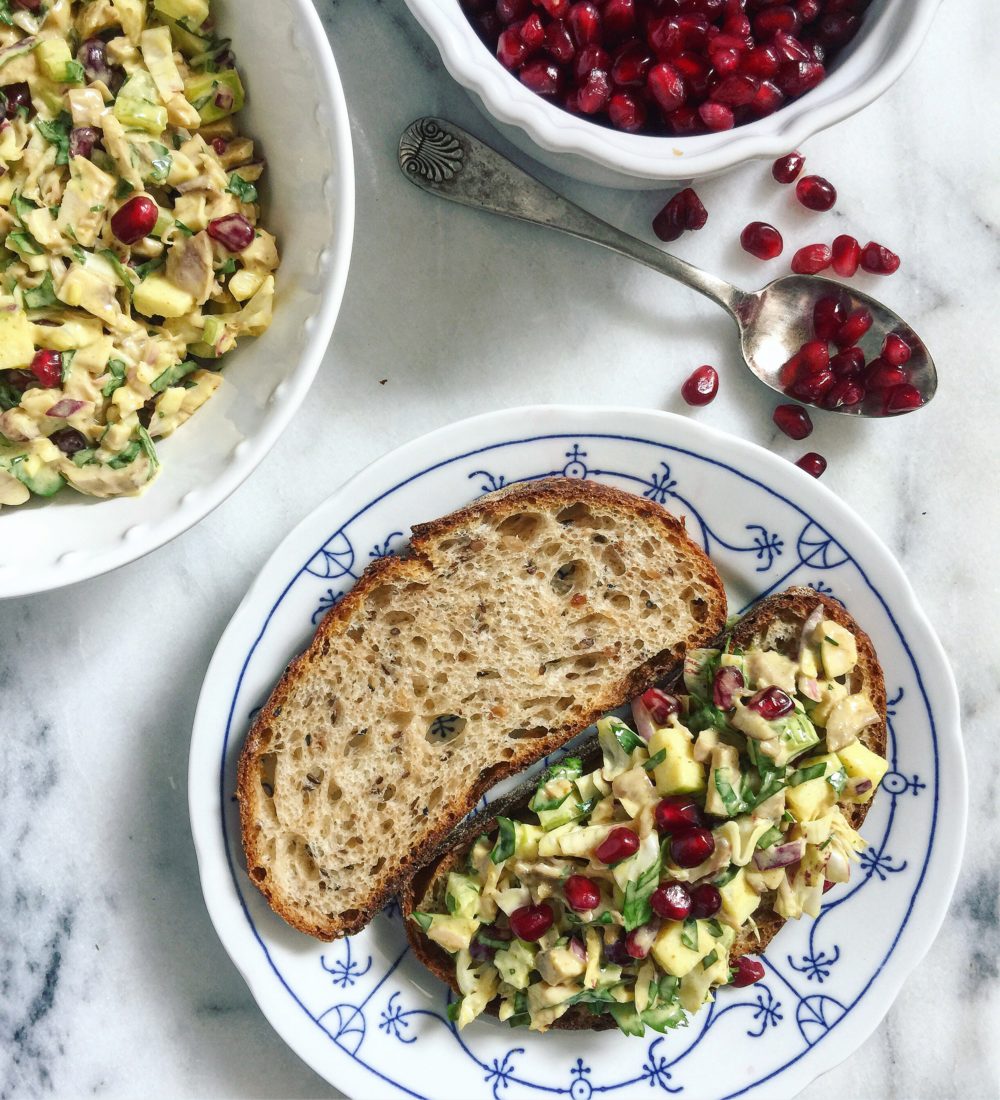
828, 316
857, 323
848, 363
702, 386
895, 350
903, 399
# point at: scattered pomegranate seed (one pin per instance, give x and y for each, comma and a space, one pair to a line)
876, 259
811, 259
846, 255
671, 901
684, 211
816, 193
135, 220
582, 893
771, 703
676, 813
691, 847
857, 323
785, 169
728, 681
702, 386
895, 350
793, 420
848, 363
812, 463
531, 922
748, 972
619, 844
232, 231
47, 368
706, 901
761, 240
660, 705
902, 399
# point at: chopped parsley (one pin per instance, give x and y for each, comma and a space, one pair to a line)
57, 133
41, 296
655, 760
116, 368
241, 188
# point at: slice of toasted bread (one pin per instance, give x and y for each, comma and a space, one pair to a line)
506, 629
774, 623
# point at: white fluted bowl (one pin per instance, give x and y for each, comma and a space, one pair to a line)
286, 63
887, 42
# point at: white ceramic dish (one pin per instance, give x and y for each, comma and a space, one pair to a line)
886, 44
368, 1018
285, 60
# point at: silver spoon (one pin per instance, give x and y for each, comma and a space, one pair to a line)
774, 322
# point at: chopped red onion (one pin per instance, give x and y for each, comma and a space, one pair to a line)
645, 727
65, 407
780, 855
82, 140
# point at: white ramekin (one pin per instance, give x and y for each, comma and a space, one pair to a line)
887, 42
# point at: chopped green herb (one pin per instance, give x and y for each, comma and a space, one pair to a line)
57, 133
41, 296
121, 270
97, 209
423, 919
161, 163
25, 244
689, 934
727, 876
730, 799
803, 775
148, 448
126, 457
183, 228
771, 837
79, 255
714, 927
74, 73
788, 816
504, 846
825, 843
84, 457
227, 268
709, 959
124, 188
827, 638
116, 368
241, 188
10, 398
627, 738
636, 908
837, 780
67, 362
655, 760
21, 206
150, 266
5, 17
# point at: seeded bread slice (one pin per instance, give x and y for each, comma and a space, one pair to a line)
774, 623
506, 629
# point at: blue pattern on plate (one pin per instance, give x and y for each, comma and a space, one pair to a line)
813, 1014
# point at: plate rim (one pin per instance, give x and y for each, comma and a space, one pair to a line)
220, 892
178, 519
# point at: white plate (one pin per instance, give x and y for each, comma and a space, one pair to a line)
368, 1018
309, 205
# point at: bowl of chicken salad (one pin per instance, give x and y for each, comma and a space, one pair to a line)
162, 309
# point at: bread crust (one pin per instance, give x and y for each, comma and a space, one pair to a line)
415, 564
792, 608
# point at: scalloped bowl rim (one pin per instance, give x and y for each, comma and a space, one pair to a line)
640, 156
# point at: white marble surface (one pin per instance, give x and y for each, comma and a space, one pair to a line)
111, 979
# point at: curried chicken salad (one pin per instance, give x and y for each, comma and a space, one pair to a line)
131, 254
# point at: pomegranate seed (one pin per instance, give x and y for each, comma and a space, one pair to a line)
582, 893
233, 232
765, 63
771, 703
531, 922
18, 96
789, 372
798, 77
845, 391
717, 116
736, 90
812, 463
591, 57
684, 211
793, 420
836, 28
748, 972
632, 65
556, 8
881, 376
666, 85
510, 10
594, 93
532, 31
854, 327
761, 240
725, 60
876, 259
808, 10
220, 145
828, 316
671, 901
812, 387
660, 705
585, 23
790, 49
619, 844
816, 193
541, 77
559, 42
702, 386
828, 886
706, 901
727, 682
691, 847
811, 259
619, 18
848, 363
511, 49
902, 399
846, 255
47, 368
776, 20
768, 99
815, 356
135, 220
626, 112
676, 813
895, 350
638, 943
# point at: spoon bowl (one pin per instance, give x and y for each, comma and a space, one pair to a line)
774, 322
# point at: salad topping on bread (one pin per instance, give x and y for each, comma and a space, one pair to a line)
629, 885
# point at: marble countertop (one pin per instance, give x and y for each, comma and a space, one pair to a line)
112, 981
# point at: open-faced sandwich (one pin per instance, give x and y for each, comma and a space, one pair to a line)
636, 878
